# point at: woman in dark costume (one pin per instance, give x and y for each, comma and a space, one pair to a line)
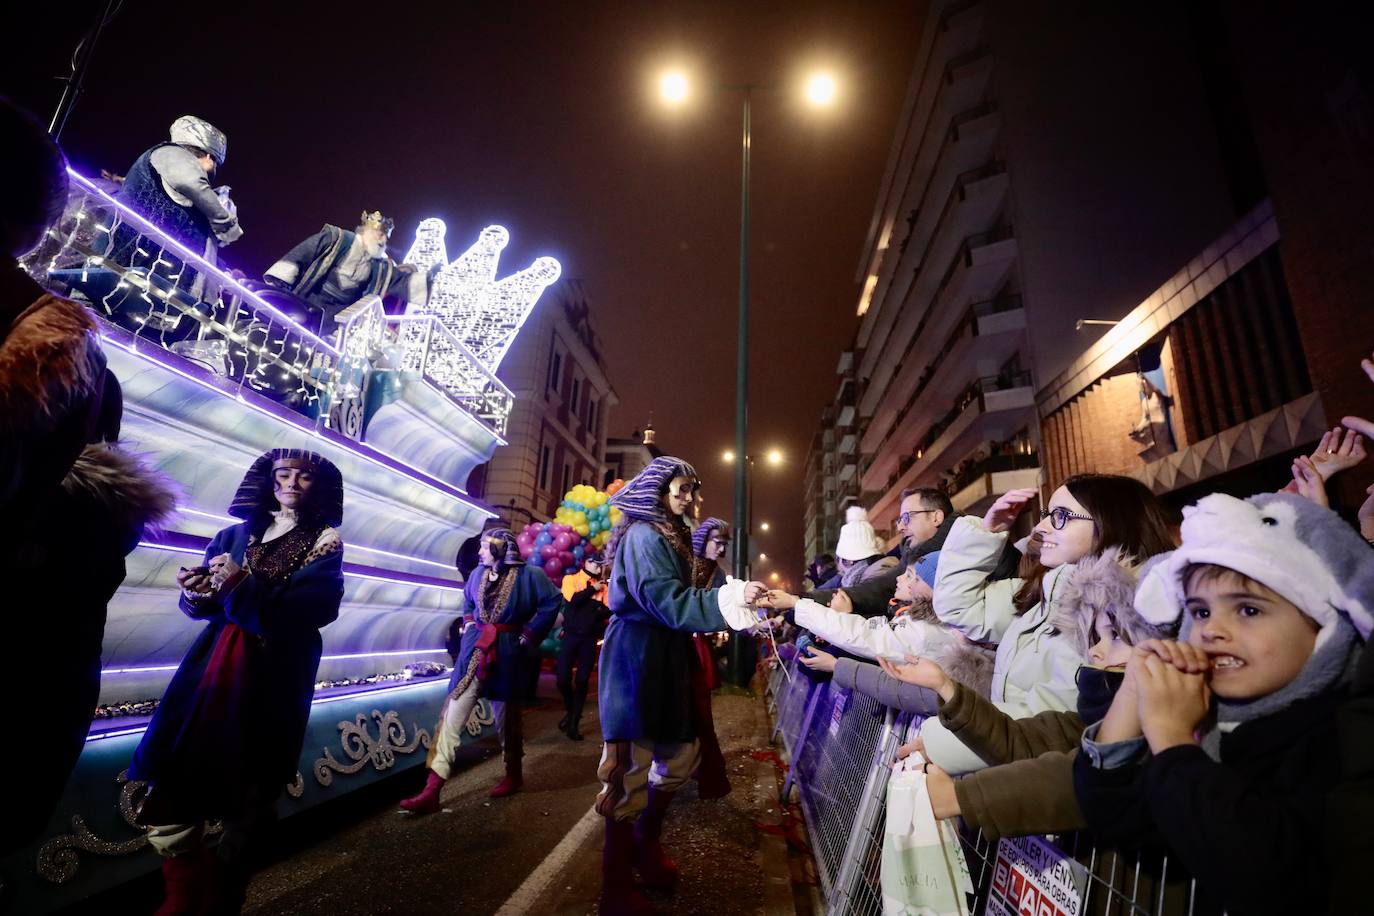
509, 607
709, 543
227, 737
645, 691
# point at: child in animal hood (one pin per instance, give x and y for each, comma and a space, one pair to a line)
1224, 746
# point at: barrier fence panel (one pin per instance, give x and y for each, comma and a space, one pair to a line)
839, 745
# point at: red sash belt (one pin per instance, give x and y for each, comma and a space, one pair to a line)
486, 644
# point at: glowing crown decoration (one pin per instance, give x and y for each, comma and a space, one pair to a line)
481, 311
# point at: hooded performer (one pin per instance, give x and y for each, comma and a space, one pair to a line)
510, 607
645, 690
227, 737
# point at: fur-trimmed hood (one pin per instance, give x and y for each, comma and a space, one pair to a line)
1105, 582
50, 360
123, 485
964, 661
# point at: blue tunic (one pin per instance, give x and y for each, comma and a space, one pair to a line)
533, 606
645, 689
255, 740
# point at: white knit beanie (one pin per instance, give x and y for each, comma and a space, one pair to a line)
1301, 551
858, 540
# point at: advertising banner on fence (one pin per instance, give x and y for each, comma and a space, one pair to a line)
1032, 878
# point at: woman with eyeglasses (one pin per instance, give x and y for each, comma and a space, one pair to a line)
1036, 663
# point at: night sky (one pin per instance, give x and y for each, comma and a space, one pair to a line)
542, 117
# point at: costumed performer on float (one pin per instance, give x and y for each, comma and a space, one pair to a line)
335, 268
584, 615
510, 606
74, 503
226, 738
645, 690
169, 184
710, 542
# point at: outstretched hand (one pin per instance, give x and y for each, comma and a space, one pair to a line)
1308, 479
1339, 450
817, 660
920, 672
754, 592
779, 600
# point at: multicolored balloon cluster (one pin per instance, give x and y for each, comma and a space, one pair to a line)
582, 525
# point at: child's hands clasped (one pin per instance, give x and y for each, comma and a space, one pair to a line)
1169, 681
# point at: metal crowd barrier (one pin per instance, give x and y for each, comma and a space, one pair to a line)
839, 746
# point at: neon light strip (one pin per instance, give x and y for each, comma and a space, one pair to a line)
347, 547
394, 463
394, 580
149, 669
429, 682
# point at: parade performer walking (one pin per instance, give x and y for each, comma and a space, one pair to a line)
645, 691
226, 738
584, 614
710, 542
509, 607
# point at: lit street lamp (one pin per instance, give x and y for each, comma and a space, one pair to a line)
820, 90
763, 527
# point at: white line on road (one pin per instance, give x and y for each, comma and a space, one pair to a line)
529, 894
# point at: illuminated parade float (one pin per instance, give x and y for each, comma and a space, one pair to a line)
215, 372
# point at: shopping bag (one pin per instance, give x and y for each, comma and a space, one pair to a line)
923, 868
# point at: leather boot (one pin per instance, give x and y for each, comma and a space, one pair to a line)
574, 726
514, 749
427, 801
656, 870
619, 896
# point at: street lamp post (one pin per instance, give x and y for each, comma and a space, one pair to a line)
743, 490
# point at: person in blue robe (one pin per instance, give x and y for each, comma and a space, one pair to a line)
645, 684
227, 736
509, 607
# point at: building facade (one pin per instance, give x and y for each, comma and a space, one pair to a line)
1001, 223
557, 431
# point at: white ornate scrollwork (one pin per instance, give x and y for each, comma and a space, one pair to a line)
297, 787
361, 748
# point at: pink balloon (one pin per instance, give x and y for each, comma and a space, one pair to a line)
526, 550
548, 552
563, 541
565, 557
531, 527
553, 568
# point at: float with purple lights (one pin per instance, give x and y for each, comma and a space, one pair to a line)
214, 373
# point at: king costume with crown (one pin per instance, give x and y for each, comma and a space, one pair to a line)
336, 268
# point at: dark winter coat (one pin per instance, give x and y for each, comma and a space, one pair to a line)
873, 597
212, 753
531, 609
1255, 829
72, 512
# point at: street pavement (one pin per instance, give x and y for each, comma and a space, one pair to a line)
538, 851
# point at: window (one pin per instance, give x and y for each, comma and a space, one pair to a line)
567, 477
545, 454
576, 391
555, 368
591, 416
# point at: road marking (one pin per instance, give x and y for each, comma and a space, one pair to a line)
531, 893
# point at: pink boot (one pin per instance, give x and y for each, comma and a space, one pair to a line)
427, 802
656, 870
188, 881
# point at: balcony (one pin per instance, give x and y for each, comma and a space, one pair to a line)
990, 408
989, 332
979, 485
848, 442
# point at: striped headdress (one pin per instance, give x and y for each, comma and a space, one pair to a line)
255, 492
642, 498
704, 532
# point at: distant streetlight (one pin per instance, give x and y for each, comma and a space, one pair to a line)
774, 577
763, 557
820, 89
763, 527
774, 457
673, 87
727, 456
